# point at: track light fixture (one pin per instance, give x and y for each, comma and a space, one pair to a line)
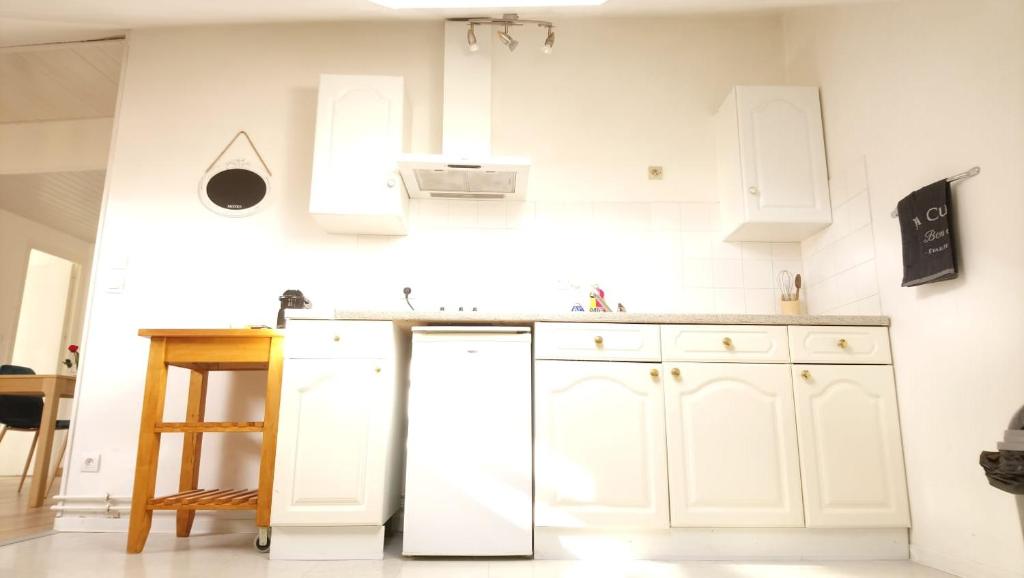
506, 21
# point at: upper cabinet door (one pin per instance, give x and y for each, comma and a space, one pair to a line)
732, 449
331, 442
782, 152
599, 445
851, 456
359, 136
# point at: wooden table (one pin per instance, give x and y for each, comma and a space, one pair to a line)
51, 388
202, 351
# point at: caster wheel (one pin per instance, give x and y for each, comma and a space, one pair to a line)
262, 541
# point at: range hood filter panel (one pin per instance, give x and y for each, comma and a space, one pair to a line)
469, 182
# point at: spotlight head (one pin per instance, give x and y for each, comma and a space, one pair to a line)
507, 40
471, 39
549, 42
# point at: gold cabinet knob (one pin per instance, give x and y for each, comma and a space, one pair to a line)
727, 342
598, 339
655, 372
337, 338
376, 369
676, 372
842, 344
806, 375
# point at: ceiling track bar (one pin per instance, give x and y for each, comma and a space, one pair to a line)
61, 44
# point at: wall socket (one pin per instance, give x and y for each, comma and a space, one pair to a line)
655, 173
91, 463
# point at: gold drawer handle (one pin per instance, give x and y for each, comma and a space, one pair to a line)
676, 372
376, 369
842, 344
727, 342
806, 375
598, 340
337, 338
654, 372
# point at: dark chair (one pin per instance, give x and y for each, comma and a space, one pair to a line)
25, 413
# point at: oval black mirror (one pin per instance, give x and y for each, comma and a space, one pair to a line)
236, 189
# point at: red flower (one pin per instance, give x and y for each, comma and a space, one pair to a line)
73, 348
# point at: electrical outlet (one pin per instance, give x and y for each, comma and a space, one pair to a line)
91, 463
654, 173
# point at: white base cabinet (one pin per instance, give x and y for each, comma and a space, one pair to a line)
340, 437
599, 445
851, 456
732, 445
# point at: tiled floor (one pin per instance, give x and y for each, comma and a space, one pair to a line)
231, 556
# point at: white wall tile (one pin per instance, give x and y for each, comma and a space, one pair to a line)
462, 214
698, 273
757, 274
697, 300
725, 250
730, 301
491, 214
728, 273
700, 217
759, 301
756, 251
786, 251
666, 216
859, 211
520, 215
697, 245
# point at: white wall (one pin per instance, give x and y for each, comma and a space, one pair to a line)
38, 341
615, 97
922, 90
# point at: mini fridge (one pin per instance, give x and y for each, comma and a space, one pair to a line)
469, 474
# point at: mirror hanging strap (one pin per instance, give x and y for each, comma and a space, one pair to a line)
251, 144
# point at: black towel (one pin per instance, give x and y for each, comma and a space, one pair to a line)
926, 225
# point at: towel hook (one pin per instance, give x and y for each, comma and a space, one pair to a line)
972, 172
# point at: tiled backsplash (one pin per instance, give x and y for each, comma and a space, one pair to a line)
545, 255
840, 261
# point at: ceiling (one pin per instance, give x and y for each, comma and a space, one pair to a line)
126, 14
63, 82
66, 201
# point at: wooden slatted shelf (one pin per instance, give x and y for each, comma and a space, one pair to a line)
206, 500
208, 426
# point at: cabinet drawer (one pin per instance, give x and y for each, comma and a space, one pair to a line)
725, 343
597, 342
320, 339
829, 344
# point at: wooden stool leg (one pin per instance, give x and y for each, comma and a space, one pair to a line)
268, 452
149, 446
192, 447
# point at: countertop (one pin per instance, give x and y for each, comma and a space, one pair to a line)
498, 318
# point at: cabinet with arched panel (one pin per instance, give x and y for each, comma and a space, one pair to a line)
732, 445
851, 457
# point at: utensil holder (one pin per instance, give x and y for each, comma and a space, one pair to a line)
791, 307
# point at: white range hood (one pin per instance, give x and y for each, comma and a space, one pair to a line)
465, 169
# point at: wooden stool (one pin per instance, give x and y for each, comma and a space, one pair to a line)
203, 351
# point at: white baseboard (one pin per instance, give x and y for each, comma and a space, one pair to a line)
722, 544
163, 523
327, 543
961, 566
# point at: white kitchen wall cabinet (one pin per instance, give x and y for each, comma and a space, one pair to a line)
340, 439
356, 187
851, 456
599, 445
732, 445
773, 180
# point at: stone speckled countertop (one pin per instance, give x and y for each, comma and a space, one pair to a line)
498, 318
